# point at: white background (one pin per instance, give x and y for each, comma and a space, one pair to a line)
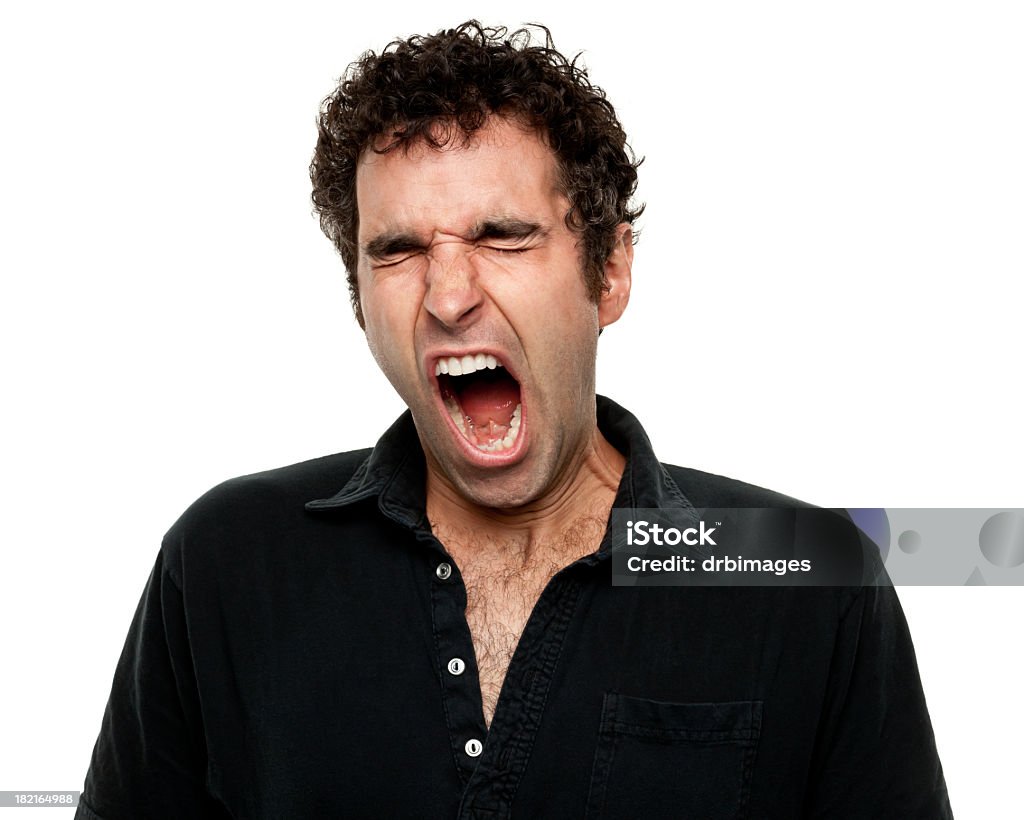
828, 269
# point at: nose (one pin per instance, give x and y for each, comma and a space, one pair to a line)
453, 295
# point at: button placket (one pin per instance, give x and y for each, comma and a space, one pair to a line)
517, 720
453, 645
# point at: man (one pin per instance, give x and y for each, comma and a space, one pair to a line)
429, 629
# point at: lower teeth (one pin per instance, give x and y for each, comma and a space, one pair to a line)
496, 445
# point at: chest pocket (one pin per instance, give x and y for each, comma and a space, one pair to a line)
685, 761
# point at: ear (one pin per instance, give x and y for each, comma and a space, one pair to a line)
618, 277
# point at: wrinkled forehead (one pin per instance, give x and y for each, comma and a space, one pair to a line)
452, 179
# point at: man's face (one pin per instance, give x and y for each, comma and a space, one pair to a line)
476, 310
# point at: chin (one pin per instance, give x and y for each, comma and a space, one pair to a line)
499, 492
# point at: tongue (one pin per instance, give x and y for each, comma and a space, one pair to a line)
484, 401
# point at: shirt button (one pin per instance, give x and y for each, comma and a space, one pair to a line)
474, 747
456, 666
444, 569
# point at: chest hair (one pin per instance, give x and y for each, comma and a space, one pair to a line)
504, 578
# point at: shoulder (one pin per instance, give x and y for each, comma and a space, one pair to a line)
248, 508
299, 483
710, 490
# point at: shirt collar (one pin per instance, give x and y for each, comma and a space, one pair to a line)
395, 471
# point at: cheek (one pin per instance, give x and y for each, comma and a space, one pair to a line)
386, 344
377, 348
389, 357
390, 324
545, 288
567, 319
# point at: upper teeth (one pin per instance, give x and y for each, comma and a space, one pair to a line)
456, 366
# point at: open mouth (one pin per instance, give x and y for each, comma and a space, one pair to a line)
483, 399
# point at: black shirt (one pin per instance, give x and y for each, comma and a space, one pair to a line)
302, 650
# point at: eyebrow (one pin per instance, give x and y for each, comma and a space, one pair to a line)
391, 243
507, 228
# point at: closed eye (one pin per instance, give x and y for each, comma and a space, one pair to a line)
509, 235
392, 262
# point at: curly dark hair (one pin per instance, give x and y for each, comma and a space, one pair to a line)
437, 87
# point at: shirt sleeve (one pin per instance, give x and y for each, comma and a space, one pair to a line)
875, 754
150, 758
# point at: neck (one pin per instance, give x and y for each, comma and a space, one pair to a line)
571, 516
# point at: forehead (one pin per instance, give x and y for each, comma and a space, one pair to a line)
503, 169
